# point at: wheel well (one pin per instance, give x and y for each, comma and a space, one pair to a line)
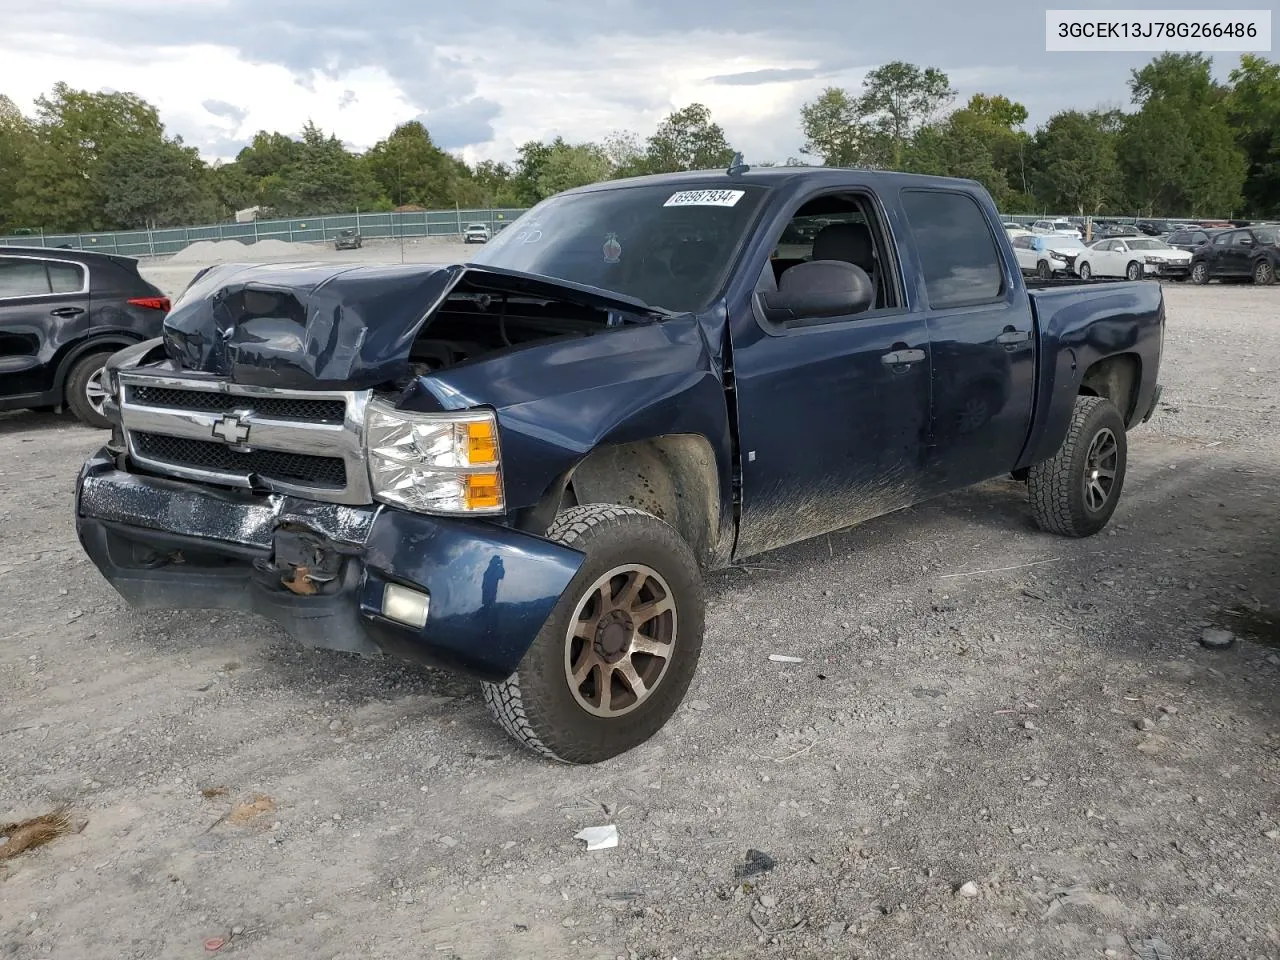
106, 344
1116, 378
673, 477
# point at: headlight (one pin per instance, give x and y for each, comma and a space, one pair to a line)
435, 462
1155, 259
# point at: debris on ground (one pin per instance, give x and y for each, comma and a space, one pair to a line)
1153, 949
1146, 723
245, 812
783, 658
968, 889
214, 944
757, 861
36, 832
599, 838
210, 793
1215, 638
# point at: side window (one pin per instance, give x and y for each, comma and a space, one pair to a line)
1267, 237
66, 278
1243, 239
1221, 240
839, 226
1022, 242
957, 252
23, 278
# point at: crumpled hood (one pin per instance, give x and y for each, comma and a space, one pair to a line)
319, 326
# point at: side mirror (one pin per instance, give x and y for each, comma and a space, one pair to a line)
817, 289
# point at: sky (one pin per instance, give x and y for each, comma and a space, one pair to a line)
486, 76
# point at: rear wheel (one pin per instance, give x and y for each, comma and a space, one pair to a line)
86, 391
616, 656
1264, 273
1200, 273
1133, 271
1076, 492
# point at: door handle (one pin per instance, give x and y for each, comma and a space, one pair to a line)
900, 358
1011, 336
67, 312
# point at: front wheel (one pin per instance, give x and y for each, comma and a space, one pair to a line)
1200, 273
1076, 492
1086, 271
1133, 271
1043, 270
1264, 273
614, 660
86, 393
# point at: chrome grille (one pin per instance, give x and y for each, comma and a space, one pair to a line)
304, 443
265, 464
274, 408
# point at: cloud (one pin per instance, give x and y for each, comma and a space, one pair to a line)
220, 108
768, 75
463, 124
347, 99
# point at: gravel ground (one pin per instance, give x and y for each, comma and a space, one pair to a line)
1036, 762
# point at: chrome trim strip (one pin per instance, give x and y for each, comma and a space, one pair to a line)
345, 441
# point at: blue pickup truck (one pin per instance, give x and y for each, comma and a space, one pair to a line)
521, 467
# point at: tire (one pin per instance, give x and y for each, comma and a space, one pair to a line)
1043, 270
82, 381
1065, 490
1264, 273
541, 707
1133, 271
1086, 271
1200, 273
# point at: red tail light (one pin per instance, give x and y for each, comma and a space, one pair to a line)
151, 303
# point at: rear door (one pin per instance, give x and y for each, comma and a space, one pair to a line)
1218, 253
981, 339
44, 307
1240, 253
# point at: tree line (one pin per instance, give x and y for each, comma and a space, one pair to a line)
1190, 147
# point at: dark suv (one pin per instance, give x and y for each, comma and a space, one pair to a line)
1251, 253
62, 313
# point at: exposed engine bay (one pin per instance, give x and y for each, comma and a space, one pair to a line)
470, 325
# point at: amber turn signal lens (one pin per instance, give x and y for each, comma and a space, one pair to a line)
483, 491
482, 443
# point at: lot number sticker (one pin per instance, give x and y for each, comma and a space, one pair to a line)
704, 198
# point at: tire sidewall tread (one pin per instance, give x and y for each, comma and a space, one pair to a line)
74, 387
535, 705
1055, 485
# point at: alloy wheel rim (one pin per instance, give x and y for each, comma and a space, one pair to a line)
1263, 273
620, 640
1101, 465
96, 392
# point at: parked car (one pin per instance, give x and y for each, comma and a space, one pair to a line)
1062, 228
1190, 238
1106, 230
1249, 253
1047, 255
62, 313
348, 239
521, 467
476, 233
1016, 230
1132, 258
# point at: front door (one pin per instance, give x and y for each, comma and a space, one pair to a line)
833, 415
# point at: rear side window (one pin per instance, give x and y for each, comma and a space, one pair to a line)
23, 278
65, 278
1265, 236
957, 251
1222, 240
36, 278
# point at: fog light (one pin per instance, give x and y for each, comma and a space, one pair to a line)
404, 605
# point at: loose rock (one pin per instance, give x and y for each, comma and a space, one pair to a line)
1216, 639
968, 889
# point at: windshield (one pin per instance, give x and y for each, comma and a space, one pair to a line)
1148, 245
1062, 225
667, 245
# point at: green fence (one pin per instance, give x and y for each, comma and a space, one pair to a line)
391, 226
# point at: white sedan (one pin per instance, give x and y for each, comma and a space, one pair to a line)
1132, 258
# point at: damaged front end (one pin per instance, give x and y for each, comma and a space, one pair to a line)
331, 575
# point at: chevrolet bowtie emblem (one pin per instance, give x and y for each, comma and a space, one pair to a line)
230, 429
